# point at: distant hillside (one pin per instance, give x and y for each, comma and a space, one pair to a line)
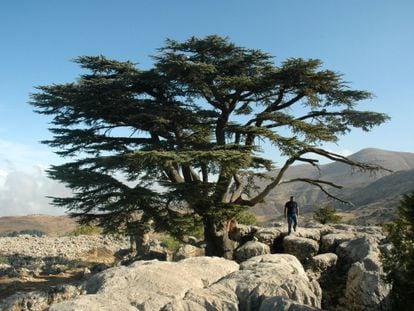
371, 191
51, 225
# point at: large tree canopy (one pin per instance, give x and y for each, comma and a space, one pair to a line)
178, 141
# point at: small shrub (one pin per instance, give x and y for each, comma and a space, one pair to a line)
326, 214
399, 260
246, 218
4, 260
171, 243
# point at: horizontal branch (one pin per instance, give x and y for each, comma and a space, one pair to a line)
318, 183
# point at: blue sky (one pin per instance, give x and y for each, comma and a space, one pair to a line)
371, 42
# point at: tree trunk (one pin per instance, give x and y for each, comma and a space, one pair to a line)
217, 238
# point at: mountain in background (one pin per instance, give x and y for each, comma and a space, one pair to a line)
375, 195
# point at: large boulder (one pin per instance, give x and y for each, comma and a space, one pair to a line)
276, 275
356, 250
304, 249
330, 241
323, 262
150, 285
251, 249
268, 235
188, 251
309, 233
365, 286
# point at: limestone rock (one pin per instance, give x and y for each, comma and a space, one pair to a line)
304, 249
151, 284
330, 242
216, 297
322, 262
274, 275
93, 303
283, 304
309, 233
251, 249
187, 251
357, 249
365, 287
267, 235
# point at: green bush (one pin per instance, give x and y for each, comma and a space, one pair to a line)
246, 217
326, 214
4, 260
171, 243
399, 260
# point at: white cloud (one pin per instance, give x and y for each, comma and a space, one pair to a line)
24, 185
23, 193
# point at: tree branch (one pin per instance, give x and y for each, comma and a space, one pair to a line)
239, 188
260, 197
317, 183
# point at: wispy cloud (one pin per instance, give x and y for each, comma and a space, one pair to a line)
24, 185
23, 193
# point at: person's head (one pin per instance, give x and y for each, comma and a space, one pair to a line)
292, 198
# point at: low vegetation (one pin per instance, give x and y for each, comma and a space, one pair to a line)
86, 230
32, 232
399, 260
326, 214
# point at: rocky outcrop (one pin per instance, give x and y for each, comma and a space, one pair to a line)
149, 285
275, 275
251, 249
335, 267
303, 248
365, 287
201, 283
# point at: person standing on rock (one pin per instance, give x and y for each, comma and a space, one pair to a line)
291, 214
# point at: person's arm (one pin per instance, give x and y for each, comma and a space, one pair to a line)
285, 211
297, 210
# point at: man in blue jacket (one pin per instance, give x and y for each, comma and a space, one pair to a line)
291, 214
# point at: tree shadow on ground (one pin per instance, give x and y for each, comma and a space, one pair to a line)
26, 273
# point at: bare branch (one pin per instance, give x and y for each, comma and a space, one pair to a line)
260, 197
339, 158
313, 162
317, 183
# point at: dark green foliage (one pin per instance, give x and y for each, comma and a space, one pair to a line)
176, 143
246, 218
399, 261
326, 214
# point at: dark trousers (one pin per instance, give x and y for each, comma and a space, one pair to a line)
292, 219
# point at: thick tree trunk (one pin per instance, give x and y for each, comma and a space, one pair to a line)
217, 238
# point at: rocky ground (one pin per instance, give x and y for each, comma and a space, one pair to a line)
316, 268
30, 263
